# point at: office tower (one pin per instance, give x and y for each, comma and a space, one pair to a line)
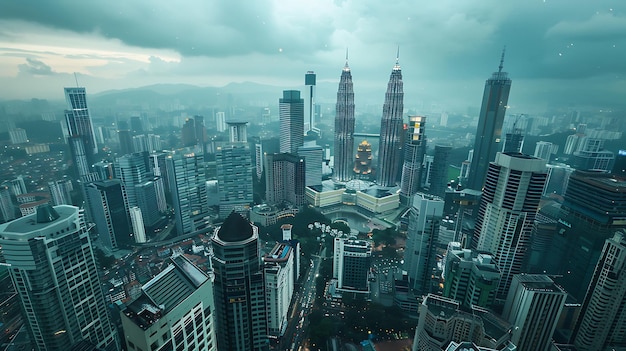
619, 166
439, 179
53, 269
309, 81
131, 170
422, 235
489, 132
414, 151
147, 201
284, 179
591, 155
60, 192
105, 204
237, 132
471, 277
363, 160
136, 221
312, 156
389, 152
558, 178
193, 132
259, 161
507, 211
157, 164
344, 127
513, 141
220, 121
136, 125
593, 209
103, 170
174, 312
140, 143
7, 210
600, 325
79, 121
352, 261
187, 180
154, 143
279, 286
234, 178
238, 286
291, 121
125, 139
545, 150
442, 320
79, 155
533, 305
543, 233
18, 136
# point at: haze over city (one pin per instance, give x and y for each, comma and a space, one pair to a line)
559, 52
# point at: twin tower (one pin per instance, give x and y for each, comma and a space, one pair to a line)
389, 154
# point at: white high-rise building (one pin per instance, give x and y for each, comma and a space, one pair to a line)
175, 311
53, 268
136, 220
279, 287
352, 264
220, 120
508, 207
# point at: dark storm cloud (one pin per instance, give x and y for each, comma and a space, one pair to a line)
35, 67
192, 28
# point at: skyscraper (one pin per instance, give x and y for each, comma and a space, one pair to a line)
352, 264
54, 272
414, 151
105, 203
439, 170
422, 235
284, 179
131, 170
60, 191
234, 178
601, 324
291, 112
593, 209
79, 120
187, 180
344, 127
489, 133
533, 306
470, 277
309, 81
278, 267
174, 311
389, 152
312, 156
507, 211
238, 286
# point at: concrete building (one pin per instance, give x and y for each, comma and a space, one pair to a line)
61, 192
601, 322
137, 225
234, 178
414, 151
278, 267
470, 277
422, 236
285, 179
352, 260
239, 288
508, 207
291, 112
174, 312
441, 321
533, 306
54, 271
105, 203
312, 156
439, 171
488, 140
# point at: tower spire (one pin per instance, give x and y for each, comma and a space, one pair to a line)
397, 65
346, 67
502, 59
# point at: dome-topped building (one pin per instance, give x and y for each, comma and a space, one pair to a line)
235, 228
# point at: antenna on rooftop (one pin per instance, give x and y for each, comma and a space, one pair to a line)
76, 79
502, 59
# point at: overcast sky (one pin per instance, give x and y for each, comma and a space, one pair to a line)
557, 51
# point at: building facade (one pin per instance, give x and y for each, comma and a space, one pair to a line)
470, 277
414, 151
488, 140
291, 113
54, 271
390, 149
507, 211
344, 127
278, 270
239, 288
284, 179
352, 260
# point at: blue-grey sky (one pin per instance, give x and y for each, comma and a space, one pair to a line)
558, 51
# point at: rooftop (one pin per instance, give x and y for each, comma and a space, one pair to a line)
235, 228
31, 224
